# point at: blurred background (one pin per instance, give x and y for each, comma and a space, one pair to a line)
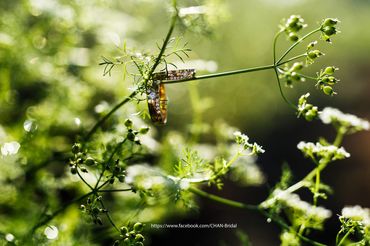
51, 86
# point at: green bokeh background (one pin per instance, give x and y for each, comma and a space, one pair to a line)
49, 72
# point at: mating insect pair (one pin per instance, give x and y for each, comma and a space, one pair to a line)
156, 93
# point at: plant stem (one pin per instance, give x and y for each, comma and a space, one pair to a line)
222, 200
339, 138
345, 236
108, 216
114, 109
54, 214
292, 59
83, 180
221, 74
296, 43
281, 90
115, 190
236, 204
108, 162
317, 186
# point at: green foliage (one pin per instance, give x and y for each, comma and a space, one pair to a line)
118, 170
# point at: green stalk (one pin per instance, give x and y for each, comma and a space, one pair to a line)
241, 205
296, 43
221, 74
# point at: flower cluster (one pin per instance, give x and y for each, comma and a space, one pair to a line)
312, 54
243, 139
328, 28
301, 211
357, 213
355, 220
322, 153
290, 74
79, 158
351, 122
292, 26
309, 111
326, 80
131, 235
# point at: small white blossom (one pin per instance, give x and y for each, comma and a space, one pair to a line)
193, 10
357, 213
335, 116
10, 148
243, 139
321, 152
293, 201
51, 232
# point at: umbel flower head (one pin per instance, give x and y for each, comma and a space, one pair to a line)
299, 209
322, 153
306, 109
292, 26
357, 213
337, 118
328, 28
243, 139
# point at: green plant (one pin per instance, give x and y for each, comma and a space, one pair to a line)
113, 151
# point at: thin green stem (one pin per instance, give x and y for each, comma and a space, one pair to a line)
307, 76
108, 216
296, 43
109, 160
317, 187
281, 90
345, 236
48, 218
292, 59
274, 45
222, 200
83, 180
116, 190
221, 74
339, 138
338, 235
241, 205
114, 109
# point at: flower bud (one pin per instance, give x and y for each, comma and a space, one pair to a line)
293, 37
123, 230
128, 123
328, 90
138, 227
131, 136
311, 45
330, 70
297, 66
139, 238
76, 148
314, 54
329, 30
330, 22
73, 170
144, 130
89, 161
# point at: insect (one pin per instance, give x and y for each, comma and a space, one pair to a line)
156, 92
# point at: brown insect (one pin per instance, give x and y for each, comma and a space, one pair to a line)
156, 93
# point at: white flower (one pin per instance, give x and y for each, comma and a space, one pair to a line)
293, 201
357, 213
335, 116
10, 148
193, 10
321, 151
51, 232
